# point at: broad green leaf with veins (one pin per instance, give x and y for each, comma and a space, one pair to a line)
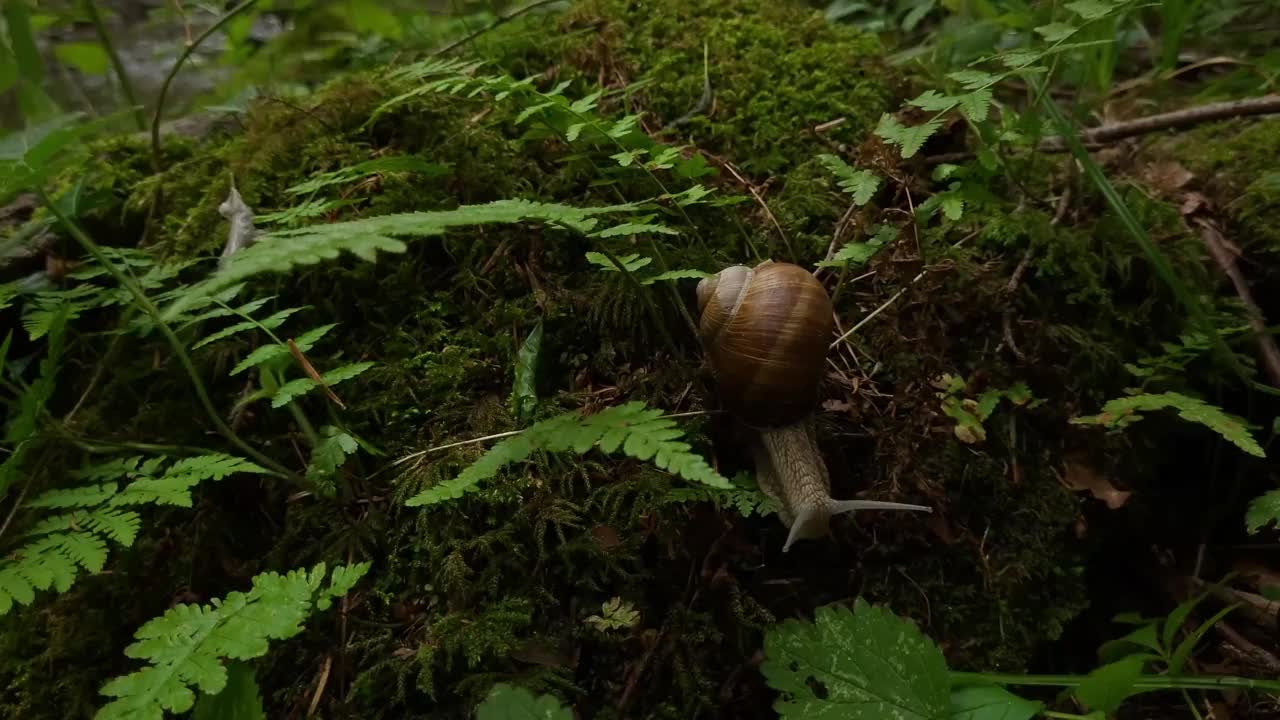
870, 665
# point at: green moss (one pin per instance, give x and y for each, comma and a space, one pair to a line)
776, 71
1228, 160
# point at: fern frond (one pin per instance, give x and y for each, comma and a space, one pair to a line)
1124, 411
69, 541
283, 250
174, 487
860, 184
274, 351
186, 648
301, 386
744, 498
271, 323
631, 263
638, 431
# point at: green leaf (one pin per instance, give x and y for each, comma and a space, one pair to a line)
1183, 651
187, 648
861, 184
294, 389
675, 275
865, 663
509, 702
1143, 636
976, 105
1124, 411
329, 455
1056, 31
1091, 9
1263, 510
634, 229
638, 431
239, 700
974, 79
934, 101
952, 206
855, 255
283, 250
8, 66
17, 17
344, 578
632, 262
909, 139
990, 702
275, 351
524, 392
87, 57
1108, 686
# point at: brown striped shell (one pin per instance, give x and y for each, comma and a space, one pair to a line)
765, 331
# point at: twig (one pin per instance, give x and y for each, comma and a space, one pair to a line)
320, 686
1225, 259
1100, 136
704, 101
500, 20
17, 503
1178, 119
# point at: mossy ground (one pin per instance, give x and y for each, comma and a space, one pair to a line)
496, 585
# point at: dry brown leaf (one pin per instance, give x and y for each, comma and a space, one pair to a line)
1079, 476
1166, 177
1192, 203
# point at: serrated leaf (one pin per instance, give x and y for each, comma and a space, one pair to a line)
1124, 411
1263, 510
976, 105
973, 79
508, 702
1055, 31
275, 351
634, 229
908, 139
298, 387
675, 275
861, 184
639, 431
933, 101
240, 699
952, 206
865, 663
631, 263
990, 702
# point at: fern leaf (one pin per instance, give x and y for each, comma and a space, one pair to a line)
301, 386
87, 549
1263, 510
632, 262
174, 487
855, 254
188, 645
1122, 412
634, 229
329, 455
909, 139
1056, 31
675, 275
283, 250
274, 351
119, 525
270, 323
861, 184
638, 431
343, 579
84, 496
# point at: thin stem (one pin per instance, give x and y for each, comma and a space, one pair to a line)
500, 20
173, 72
1149, 682
126, 85
147, 306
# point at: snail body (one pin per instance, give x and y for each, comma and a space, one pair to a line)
765, 331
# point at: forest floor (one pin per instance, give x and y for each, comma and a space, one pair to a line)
451, 276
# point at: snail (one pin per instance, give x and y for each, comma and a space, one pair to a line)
765, 331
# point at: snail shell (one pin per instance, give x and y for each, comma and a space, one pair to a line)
766, 331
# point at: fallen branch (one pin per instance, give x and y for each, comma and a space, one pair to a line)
1226, 261
1177, 120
